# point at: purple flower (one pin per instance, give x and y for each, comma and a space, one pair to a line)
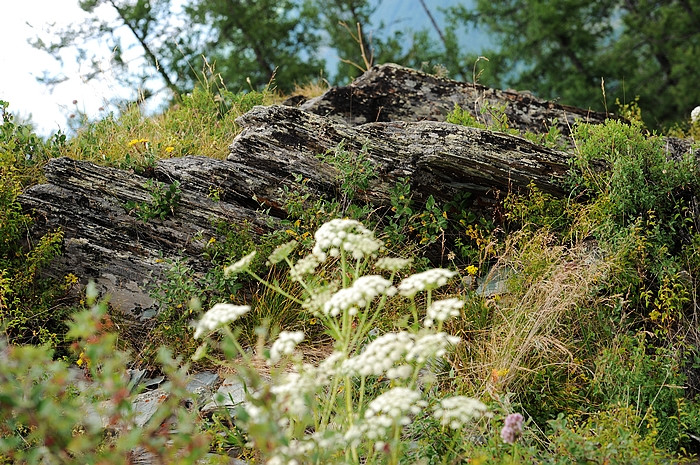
513, 428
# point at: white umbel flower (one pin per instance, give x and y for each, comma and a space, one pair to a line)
362, 292
241, 265
695, 115
396, 403
281, 252
218, 316
304, 266
389, 409
457, 411
392, 264
441, 310
292, 392
346, 235
284, 345
380, 355
431, 346
427, 280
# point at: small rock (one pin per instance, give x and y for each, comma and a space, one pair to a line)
146, 404
230, 394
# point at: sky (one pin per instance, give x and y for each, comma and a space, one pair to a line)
21, 64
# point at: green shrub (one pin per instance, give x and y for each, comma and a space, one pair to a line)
616, 436
28, 310
46, 417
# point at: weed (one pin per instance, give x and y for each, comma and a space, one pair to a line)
44, 416
333, 412
163, 202
356, 170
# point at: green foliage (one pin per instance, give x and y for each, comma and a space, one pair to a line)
616, 436
537, 209
641, 201
163, 201
648, 379
202, 123
560, 50
28, 313
356, 170
632, 171
47, 417
464, 118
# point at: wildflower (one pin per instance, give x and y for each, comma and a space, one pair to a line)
427, 280
457, 411
431, 346
346, 235
133, 142
472, 270
380, 355
219, 315
169, 149
282, 252
513, 428
304, 266
284, 345
392, 264
363, 290
695, 115
291, 394
441, 310
389, 409
241, 265
396, 403
318, 298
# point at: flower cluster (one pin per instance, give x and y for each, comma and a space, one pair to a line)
304, 266
441, 310
384, 355
380, 355
392, 264
284, 345
281, 252
292, 393
363, 290
695, 115
457, 411
241, 265
389, 409
425, 281
513, 428
346, 235
430, 346
219, 315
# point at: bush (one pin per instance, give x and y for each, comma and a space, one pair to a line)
28, 313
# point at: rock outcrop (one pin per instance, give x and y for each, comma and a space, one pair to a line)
395, 113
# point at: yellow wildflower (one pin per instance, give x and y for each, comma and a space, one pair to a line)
71, 279
133, 142
169, 149
472, 270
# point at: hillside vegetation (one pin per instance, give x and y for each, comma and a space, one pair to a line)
355, 348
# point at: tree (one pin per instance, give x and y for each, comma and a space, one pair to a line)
146, 24
562, 49
156, 46
254, 40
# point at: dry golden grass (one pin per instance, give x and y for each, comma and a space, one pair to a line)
531, 325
